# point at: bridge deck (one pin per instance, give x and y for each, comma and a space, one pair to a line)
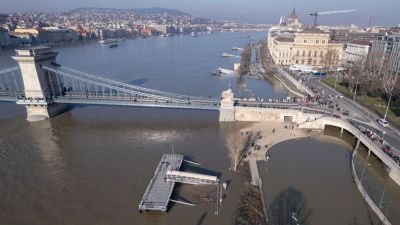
159, 191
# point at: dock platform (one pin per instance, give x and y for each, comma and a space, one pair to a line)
159, 191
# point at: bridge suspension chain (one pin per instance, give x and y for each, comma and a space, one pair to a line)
142, 89
110, 86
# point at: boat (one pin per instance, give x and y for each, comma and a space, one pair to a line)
195, 34
237, 49
109, 41
221, 71
227, 55
113, 45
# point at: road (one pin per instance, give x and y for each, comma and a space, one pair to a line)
362, 115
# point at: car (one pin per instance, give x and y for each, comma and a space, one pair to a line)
383, 122
340, 96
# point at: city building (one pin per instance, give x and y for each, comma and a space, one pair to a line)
307, 47
55, 35
347, 35
356, 51
388, 47
285, 29
293, 19
160, 28
32, 31
4, 38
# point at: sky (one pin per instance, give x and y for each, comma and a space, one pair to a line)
386, 12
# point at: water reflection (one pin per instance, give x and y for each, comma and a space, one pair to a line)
45, 142
289, 207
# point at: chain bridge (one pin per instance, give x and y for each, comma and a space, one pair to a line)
46, 88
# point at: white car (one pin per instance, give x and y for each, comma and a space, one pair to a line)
339, 96
383, 122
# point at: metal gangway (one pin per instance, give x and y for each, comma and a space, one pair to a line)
190, 178
159, 191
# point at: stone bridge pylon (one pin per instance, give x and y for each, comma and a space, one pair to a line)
38, 84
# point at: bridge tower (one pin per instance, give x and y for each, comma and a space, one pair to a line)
38, 83
227, 109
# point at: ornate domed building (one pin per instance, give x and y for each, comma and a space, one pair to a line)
293, 19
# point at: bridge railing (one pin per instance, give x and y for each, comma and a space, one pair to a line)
134, 87
107, 85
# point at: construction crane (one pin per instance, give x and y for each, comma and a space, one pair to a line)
370, 20
316, 14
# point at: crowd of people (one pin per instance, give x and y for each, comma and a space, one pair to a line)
379, 140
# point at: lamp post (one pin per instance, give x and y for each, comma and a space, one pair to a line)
266, 162
365, 166
336, 73
387, 107
355, 90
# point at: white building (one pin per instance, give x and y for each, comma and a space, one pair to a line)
160, 28
356, 51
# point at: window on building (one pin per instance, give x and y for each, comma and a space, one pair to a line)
315, 53
305, 41
322, 54
304, 53
317, 41
309, 53
323, 41
302, 61
298, 53
297, 61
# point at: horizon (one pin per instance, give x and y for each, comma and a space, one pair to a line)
256, 12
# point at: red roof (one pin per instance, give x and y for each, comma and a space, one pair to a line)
361, 42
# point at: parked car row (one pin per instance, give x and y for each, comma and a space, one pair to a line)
387, 149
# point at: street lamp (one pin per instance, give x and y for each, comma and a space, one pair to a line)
365, 166
266, 162
355, 90
387, 107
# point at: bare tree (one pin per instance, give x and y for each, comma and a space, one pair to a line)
235, 143
245, 60
330, 59
238, 143
390, 73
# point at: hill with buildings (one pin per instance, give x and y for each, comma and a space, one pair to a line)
141, 11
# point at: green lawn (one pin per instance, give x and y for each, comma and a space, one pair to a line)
377, 104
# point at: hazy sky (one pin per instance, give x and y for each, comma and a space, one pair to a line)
254, 11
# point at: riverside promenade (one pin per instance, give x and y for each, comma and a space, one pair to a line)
272, 133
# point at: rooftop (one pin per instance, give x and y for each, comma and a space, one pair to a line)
284, 39
361, 42
311, 30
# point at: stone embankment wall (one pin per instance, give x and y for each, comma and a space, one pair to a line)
251, 114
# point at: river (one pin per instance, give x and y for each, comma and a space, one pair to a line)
92, 164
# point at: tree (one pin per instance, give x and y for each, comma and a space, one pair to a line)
245, 60
235, 143
238, 143
390, 73
330, 59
